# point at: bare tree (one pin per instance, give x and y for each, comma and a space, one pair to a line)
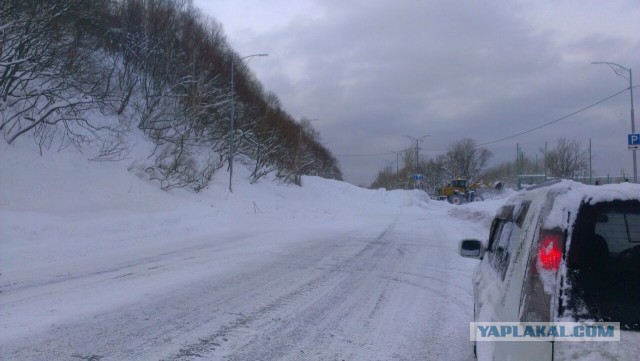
264, 152
90, 70
408, 157
51, 75
386, 178
465, 159
435, 173
567, 160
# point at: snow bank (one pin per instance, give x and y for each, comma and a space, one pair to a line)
63, 216
61, 194
90, 243
66, 181
480, 212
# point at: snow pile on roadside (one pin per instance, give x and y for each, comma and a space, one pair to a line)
60, 211
61, 181
63, 217
479, 212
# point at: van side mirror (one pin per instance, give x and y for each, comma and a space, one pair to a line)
471, 248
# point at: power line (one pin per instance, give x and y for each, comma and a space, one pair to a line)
555, 120
509, 136
364, 155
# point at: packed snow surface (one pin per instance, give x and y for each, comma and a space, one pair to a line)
99, 264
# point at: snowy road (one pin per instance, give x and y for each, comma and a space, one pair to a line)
393, 291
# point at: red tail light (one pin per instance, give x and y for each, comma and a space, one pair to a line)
550, 251
537, 298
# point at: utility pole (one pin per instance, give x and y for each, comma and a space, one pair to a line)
590, 174
518, 171
518, 164
545, 160
417, 154
418, 140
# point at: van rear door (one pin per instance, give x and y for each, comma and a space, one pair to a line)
603, 278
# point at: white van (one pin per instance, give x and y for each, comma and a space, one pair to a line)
561, 251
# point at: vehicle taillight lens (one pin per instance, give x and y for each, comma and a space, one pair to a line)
550, 251
537, 300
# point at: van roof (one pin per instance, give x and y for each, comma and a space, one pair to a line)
569, 195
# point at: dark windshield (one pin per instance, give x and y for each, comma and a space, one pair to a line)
603, 265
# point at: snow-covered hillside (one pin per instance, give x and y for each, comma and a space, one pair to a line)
96, 261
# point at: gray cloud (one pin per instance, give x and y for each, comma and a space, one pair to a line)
373, 71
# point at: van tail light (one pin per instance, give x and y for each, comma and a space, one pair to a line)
544, 262
550, 250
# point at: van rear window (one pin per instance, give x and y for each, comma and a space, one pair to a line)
603, 265
505, 235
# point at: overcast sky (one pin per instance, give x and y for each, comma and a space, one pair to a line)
372, 71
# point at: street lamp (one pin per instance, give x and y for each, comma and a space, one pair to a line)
231, 120
620, 71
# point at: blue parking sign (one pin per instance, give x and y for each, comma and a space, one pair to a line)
634, 141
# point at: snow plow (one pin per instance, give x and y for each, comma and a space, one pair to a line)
459, 191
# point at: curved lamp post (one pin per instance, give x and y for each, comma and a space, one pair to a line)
231, 121
620, 71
